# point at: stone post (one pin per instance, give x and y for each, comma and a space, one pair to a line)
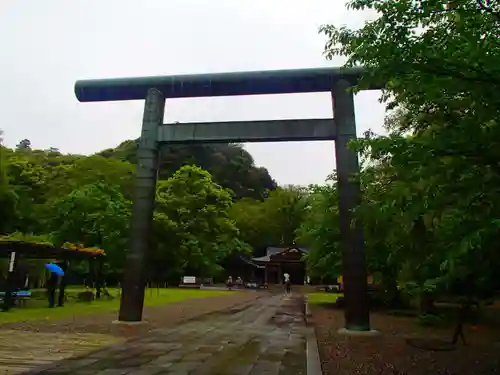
132, 298
98, 276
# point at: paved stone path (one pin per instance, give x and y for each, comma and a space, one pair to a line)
268, 337
21, 351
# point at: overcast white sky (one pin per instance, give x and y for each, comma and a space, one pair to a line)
45, 46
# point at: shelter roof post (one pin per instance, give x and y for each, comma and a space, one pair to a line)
99, 277
9, 285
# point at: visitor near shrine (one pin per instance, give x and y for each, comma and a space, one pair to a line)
288, 284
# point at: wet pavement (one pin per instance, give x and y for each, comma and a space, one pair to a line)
21, 351
268, 336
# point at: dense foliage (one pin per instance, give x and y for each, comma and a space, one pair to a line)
230, 165
87, 200
200, 232
272, 221
431, 204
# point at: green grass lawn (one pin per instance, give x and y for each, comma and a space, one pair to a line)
323, 297
37, 309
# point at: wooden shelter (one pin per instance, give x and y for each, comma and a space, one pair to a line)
17, 250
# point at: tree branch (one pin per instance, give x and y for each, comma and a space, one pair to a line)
485, 8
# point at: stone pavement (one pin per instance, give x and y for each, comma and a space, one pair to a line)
21, 351
267, 337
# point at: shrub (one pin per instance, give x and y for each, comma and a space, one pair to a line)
430, 320
87, 296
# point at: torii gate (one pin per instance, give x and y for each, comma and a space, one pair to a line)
342, 128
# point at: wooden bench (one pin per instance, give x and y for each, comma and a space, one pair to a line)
20, 297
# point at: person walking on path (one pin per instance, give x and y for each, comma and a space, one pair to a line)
288, 285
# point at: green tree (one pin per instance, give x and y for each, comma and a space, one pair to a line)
271, 221
28, 183
320, 231
8, 198
196, 211
24, 145
95, 215
283, 211
440, 64
252, 222
66, 177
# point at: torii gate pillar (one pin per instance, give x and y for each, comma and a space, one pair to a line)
357, 316
134, 280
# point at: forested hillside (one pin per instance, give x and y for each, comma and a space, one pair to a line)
50, 197
230, 165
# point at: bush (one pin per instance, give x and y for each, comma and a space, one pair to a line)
430, 320
87, 296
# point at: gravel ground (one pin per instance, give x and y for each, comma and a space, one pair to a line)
389, 354
155, 317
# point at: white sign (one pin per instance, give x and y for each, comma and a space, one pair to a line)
12, 260
189, 280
